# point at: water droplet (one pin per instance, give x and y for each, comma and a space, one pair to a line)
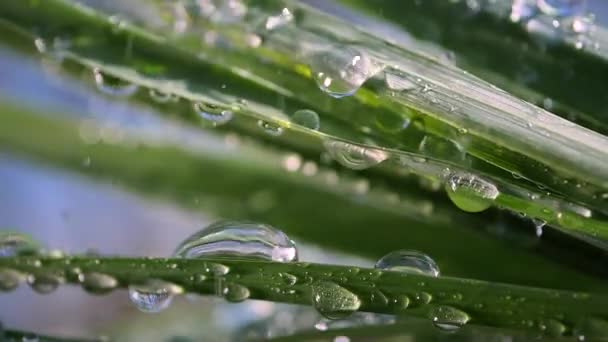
113, 86
97, 283
288, 278
562, 8
306, 118
160, 97
212, 113
340, 70
235, 293
16, 244
10, 279
333, 301
275, 21
241, 239
270, 128
222, 11
448, 318
539, 225
470, 193
410, 262
354, 156
422, 298
552, 327
44, 283
154, 295
401, 302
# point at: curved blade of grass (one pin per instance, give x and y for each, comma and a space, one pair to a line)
537, 68
563, 151
501, 305
216, 180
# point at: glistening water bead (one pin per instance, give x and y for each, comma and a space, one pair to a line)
154, 295
334, 301
408, 261
354, 157
306, 118
340, 71
113, 86
212, 113
239, 239
469, 192
448, 318
15, 244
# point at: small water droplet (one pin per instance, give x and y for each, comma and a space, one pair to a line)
154, 295
334, 301
422, 298
44, 283
552, 327
97, 283
160, 97
354, 157
539, 225
410, 262
235, 293
16, 244
240, 239
10, 279
113, 86
448, 318
212, 113
340, 70
306, 118
469, 192
270, 128
288, 278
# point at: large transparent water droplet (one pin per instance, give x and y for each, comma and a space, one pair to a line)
340, 70
469, 192
212, 113
15, 244
333, 301
154, 295
10, 279
240, 239
552, 327
235, 293
354, 156
562, 8
222, 11
97, 283
448, 318
44, 283
113, 86
408, 261
306, 118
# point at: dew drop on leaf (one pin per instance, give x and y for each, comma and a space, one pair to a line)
16, 244
113, 86
408, 261
469, 192
448, 318
212, 113
340, 71
270, 128
306, 118
354, 157
235, 292
334, 301
239, 239
9, 279
97, 283
44, 283
159, 96
154, 295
